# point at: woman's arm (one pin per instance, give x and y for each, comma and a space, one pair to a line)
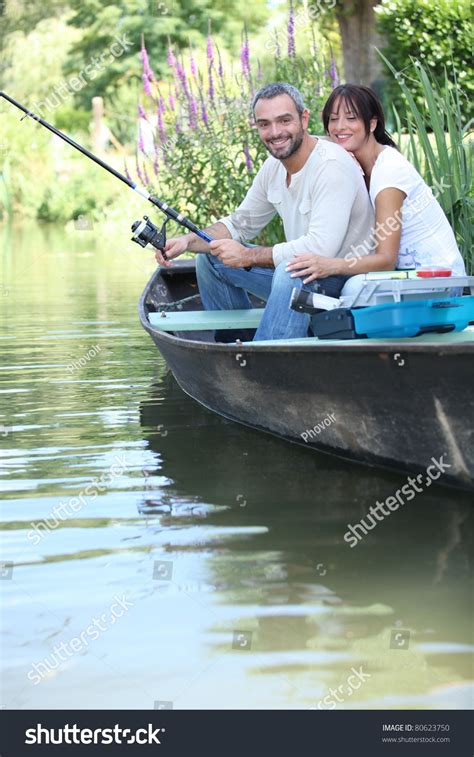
388, 229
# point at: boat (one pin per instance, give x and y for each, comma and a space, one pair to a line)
402, 403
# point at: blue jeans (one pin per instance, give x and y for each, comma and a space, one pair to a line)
224, 288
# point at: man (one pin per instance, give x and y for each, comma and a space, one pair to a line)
317, 189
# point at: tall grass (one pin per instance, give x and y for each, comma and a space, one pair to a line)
440, 148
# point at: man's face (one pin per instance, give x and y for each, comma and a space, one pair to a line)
280, 126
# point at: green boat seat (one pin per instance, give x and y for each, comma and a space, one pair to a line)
206, 320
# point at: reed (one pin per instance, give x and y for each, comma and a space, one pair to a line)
440, 147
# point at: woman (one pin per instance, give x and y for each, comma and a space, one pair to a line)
411, 229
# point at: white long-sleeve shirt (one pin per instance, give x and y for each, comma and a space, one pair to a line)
326, 209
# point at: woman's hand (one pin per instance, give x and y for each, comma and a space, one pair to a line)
313, 266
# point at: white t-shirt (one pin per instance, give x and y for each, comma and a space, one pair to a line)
326, 209
427, 238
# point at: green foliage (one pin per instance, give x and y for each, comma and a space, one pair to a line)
440, 148
102, 23
79, 195
201, 151
438, 34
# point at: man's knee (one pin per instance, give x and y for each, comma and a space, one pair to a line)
281, 275
203, 262
282, 279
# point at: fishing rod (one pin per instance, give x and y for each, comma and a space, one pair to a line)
145, 232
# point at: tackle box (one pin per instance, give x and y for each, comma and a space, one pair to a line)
397, 319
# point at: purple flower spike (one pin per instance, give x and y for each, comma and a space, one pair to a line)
141, 143
182, 78
277, 46
171, 59
146, 84
141, 112
171, 100
210, 89
291, 32
127, 172
204, 115
160, 124
192, 65
145, 174
245, 57
248, 160
139, 173
333, 74
147, 73
220, 69
210, 45
193, 113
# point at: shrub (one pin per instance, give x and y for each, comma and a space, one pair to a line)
438, 34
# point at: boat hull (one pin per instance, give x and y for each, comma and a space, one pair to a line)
396, 405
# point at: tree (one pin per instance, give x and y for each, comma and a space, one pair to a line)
182, 22
359, 38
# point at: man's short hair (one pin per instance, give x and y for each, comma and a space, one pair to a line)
276, 88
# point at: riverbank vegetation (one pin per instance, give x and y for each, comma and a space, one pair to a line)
176, 81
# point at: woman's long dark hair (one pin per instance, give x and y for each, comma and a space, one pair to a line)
365, 104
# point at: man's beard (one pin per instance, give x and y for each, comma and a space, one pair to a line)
294, 145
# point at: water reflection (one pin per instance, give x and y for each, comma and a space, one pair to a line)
227, 543
272, 519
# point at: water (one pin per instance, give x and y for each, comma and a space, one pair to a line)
163, 556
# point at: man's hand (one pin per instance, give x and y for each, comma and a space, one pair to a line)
313, 266
173, 247
232, 253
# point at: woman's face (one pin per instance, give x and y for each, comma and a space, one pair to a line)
346, 128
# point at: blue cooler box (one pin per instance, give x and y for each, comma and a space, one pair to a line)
396, 319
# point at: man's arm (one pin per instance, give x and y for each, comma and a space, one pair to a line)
236, 255
217, 230
252, 215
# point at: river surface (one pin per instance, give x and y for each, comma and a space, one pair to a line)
155, 555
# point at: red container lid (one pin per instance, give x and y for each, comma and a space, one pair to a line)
431, 271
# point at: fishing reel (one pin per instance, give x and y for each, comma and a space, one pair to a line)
145, 232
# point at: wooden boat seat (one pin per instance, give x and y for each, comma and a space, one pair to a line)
206, 320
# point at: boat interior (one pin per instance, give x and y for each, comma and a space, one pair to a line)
173, 305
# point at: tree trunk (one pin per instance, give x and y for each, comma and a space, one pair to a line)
362, 64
